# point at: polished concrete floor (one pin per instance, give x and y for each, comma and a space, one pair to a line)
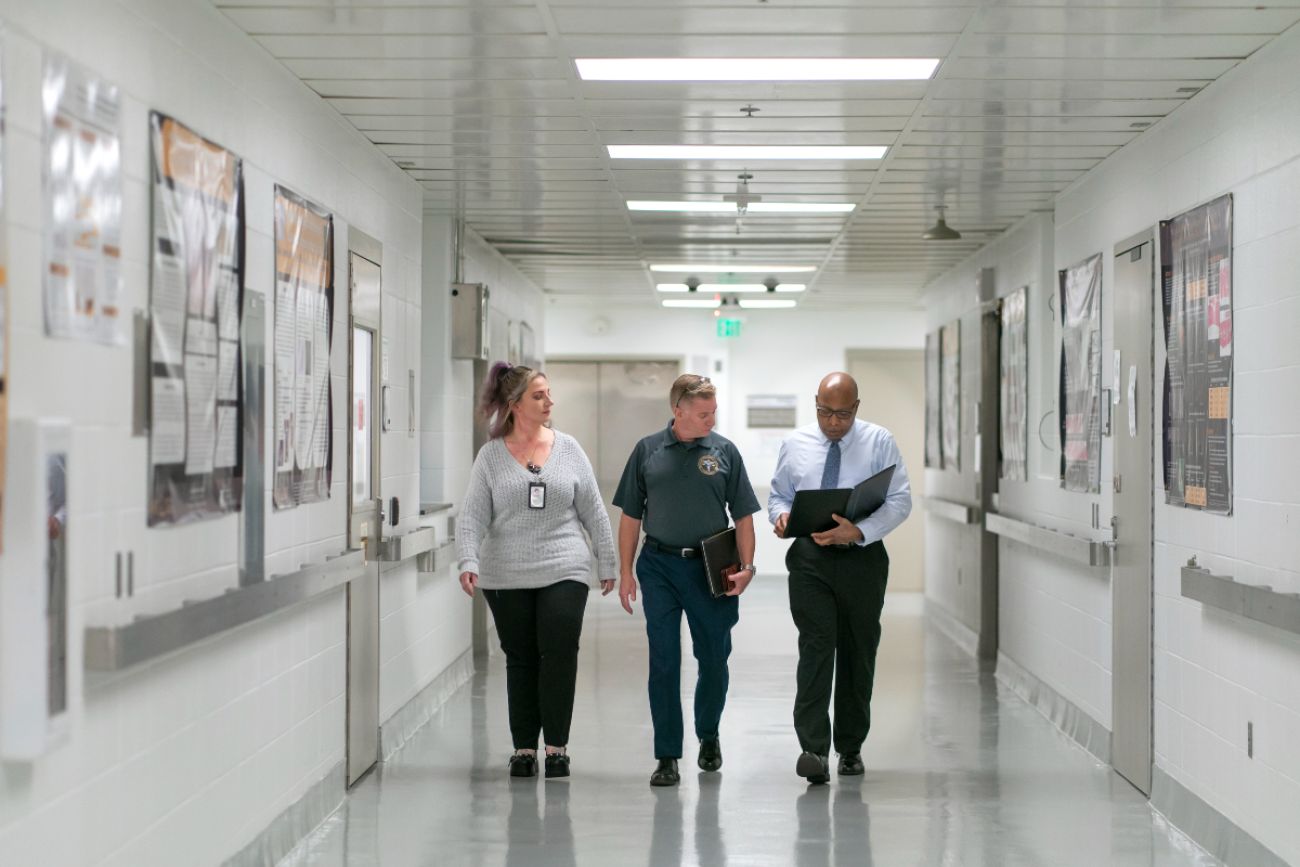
959, 772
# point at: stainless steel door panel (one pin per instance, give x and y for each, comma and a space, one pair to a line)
1131, 592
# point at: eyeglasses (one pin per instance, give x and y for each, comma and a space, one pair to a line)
841, 414
694, 389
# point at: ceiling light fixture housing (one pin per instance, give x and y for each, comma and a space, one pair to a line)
698, 303
685, 268
752, 207
732, 287
940, 231
746, 153
756, 68
767, 303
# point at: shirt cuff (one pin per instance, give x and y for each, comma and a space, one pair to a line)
469, 566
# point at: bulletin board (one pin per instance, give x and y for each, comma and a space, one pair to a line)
1080, 377
1014, 386
933, 433
304, 318
196, 287
950, 389
1196, 271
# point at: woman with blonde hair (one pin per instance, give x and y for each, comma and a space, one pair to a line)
522, 537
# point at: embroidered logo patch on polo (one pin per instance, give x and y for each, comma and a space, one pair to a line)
709, 465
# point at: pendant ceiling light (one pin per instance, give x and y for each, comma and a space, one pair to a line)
940, 231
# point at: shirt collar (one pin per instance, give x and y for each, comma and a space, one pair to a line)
707, 441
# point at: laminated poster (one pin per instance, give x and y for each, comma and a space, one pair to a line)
950, 389
1080, 382
304, 316
1014, 384
82, 198
1196, 270
933, 443
195, 308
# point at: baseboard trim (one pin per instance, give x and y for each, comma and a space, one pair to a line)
1063, 713
402, 725
1206, 826
293, 825
961, 634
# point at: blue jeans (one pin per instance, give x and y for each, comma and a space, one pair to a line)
669, 586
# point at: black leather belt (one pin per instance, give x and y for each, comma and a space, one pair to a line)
686, 553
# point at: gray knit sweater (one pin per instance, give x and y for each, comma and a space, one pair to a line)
511, 546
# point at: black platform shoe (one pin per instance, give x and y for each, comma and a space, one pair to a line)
523, 765
557, 765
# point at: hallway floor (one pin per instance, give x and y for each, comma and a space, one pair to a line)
959, 772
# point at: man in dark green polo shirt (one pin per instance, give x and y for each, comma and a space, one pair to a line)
682, 482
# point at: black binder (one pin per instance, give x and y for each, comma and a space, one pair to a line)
813, 509
721, 558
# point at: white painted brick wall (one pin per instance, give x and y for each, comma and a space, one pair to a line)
186, 759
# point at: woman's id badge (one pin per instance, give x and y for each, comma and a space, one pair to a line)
537, 495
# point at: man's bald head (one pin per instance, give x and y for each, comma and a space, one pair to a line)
838, 387
836, 396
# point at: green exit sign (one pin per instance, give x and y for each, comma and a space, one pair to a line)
728, 327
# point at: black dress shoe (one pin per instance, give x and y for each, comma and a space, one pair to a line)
710, 754
851, 765
666, 774
557, 765
813, 767
523, 765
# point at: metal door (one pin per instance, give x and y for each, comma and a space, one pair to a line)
892, 383
607, 406
1131, 588
365, 515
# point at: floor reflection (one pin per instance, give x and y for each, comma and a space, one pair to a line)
959, 772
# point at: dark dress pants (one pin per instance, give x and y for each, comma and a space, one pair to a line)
539, 630
671, 586
836, 595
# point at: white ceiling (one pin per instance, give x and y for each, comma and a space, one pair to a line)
480, 102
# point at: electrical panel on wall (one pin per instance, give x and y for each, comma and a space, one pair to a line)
469, 321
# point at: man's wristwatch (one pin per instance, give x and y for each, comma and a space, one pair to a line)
748, 567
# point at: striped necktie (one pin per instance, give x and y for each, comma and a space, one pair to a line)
831, 473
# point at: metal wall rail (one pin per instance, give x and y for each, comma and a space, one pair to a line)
952, 511
408, 544
438, 559
1252, 601
115, 648
1065, 545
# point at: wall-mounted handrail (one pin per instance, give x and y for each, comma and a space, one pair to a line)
952, 511
438, 559
1251, 601
408, 544
1089, 552
114, 648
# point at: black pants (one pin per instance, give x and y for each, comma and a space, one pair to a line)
836, 595
539, 632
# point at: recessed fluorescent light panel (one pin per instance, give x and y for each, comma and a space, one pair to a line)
703, 303
765, 303
753, 208
749, 153
672, 287
686, 268
711, 288
756, 68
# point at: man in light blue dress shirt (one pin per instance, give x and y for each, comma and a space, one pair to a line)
837, 578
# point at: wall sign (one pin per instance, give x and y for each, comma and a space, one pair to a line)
195, 307
1196, 270
1080, 379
